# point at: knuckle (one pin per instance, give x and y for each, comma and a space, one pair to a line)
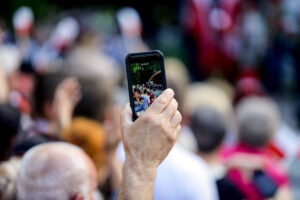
162, 101
157, 124
172, 137
169, 92
164, 129
147, 118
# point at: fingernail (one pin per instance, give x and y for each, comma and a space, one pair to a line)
170, 91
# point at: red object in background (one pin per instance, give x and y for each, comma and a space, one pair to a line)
25, 106
25, 31
271, 168
248, 85
23, 84
275, 152
210, 42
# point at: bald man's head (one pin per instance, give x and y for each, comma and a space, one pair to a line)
57, 171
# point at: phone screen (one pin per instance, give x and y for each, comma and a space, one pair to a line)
147, 82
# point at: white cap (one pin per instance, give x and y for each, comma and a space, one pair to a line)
65, 31
129, 21
23, 18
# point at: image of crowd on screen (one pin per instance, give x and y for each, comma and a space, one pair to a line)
144, 95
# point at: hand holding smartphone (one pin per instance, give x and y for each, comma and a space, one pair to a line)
146, 79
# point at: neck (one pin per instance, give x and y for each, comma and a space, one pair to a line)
210, 158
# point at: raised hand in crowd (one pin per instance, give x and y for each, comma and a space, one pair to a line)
147, 142
66, 97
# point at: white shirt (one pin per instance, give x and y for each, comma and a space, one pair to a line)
182, 176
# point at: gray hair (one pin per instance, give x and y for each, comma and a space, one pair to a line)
209, 128
54, 171
258, 119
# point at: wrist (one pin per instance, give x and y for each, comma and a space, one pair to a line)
138, 180
140, 170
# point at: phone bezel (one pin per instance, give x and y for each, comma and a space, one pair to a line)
142, 56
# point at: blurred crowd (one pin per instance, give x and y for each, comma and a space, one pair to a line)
63, 86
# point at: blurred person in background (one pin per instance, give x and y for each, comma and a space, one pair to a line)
19, 85
10, 119
23, 23
258, 119
209, 94
9, 166
178, 79
61, 40
53, 101
88, 59
212, 37
284, 144
95, 129
58, 171
43, 104
52, 95
210, 129
131, 29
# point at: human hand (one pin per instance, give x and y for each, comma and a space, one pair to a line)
147, 142
112, 126
247, 162
66, 97
283, 192
150, 138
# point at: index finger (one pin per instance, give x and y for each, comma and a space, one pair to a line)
162, 101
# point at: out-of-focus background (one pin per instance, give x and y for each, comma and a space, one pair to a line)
235, 63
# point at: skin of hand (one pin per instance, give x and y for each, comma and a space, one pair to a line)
284, 193
246, 163
112, 126
147, 142
66, 97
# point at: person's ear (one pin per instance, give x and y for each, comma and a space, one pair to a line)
77, 197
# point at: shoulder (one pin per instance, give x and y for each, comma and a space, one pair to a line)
187, 174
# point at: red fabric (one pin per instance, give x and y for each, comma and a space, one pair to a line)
275, 152
271, 168
212, 56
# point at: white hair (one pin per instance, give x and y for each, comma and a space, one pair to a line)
54, 171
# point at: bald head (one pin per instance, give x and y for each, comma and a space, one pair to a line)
55, 171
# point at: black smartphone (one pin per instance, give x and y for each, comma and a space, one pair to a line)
146, 79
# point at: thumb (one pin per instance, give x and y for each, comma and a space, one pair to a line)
126, 116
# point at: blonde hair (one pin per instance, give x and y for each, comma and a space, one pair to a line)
8, 175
